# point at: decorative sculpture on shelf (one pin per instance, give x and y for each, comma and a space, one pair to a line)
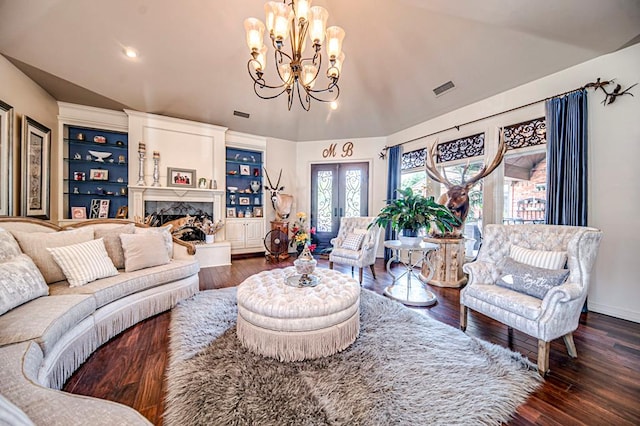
456, 198
281, 202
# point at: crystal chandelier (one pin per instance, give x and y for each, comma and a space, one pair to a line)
298, 74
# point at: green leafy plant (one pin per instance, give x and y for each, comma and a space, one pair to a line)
414, 212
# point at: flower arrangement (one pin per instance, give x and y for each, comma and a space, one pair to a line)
301, 233
210, 227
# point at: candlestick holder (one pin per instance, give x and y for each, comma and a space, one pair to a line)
141, 181
156, 172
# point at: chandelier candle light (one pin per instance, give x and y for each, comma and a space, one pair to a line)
294, 20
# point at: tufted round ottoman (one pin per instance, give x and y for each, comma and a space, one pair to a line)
294, 324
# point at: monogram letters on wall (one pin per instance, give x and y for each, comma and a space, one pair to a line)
347, 150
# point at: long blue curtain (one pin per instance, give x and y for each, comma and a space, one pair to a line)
566, 118
393, 182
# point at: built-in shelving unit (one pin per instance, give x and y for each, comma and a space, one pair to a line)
96, 170
244, 189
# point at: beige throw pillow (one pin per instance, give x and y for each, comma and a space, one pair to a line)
35, 245
143, 251
84, 262
9, 247
111, 238
539, 258
165, 231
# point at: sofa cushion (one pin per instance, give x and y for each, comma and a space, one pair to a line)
353, 241
9, 247
165, 231
84, 262
12, 415
20, 282
528, 279
539, 258
143, 251
113, 288
44, 319
111, 238
512, 301
35, 244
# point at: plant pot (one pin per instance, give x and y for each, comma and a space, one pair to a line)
209, 239
410, 237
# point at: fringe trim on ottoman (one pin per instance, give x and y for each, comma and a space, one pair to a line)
301, 345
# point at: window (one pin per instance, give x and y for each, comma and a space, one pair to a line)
525, 173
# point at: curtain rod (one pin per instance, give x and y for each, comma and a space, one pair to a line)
386, 148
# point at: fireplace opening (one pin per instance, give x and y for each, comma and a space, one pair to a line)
190, 220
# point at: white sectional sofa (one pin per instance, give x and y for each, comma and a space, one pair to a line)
45, 339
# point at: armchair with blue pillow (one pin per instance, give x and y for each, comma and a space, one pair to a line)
533, 278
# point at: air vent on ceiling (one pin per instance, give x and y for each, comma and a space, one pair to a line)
443, 88
241, 114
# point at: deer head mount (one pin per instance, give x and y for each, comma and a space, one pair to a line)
281, 202
456, 198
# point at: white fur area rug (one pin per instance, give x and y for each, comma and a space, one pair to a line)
405, 368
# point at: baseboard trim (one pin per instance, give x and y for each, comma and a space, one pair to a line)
614, 311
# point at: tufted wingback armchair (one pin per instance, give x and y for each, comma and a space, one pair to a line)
366, 254
554, 316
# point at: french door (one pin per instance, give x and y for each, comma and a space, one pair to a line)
337, 190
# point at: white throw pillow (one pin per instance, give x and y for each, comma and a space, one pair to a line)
352, 241
539, 258
165, 231
84, 262
35, 244
20, 281
143, 251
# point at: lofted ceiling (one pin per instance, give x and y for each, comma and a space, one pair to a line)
193, 56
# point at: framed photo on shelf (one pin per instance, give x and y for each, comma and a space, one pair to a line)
78, 176
98, 174
36, 148
257, 211
184, 178
245, 170
99, 209
78, 212
6, 159
122, 212
244, 201
231, 212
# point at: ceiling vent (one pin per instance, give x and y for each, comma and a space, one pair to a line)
241, 114
444, 88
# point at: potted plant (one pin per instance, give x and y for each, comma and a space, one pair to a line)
411, 212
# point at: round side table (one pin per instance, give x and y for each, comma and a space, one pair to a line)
402, 290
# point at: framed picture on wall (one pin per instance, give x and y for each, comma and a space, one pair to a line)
185, 178
245, 170
6, 159
36, 148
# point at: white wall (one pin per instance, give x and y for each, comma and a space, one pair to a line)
29, 99
614, 150
280, 155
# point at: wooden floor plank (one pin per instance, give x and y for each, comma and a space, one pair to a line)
601, 386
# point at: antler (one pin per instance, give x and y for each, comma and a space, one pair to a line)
485, 171
432, 169
268, 179
278, 184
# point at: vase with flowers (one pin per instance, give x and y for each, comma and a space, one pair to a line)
209, 228
302, 234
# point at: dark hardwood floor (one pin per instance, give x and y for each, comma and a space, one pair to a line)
600, 387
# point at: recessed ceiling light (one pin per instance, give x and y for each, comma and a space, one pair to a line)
130, 52
334, 105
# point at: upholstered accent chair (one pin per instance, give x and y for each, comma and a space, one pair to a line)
356, 245
550, 314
